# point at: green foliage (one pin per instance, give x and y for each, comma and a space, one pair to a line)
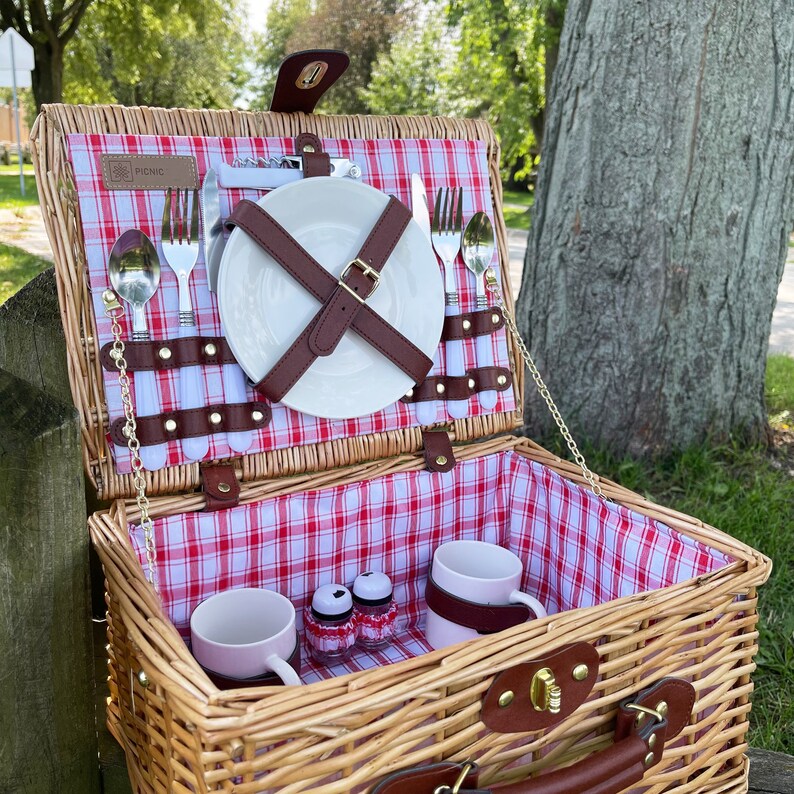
186, 54
17, 267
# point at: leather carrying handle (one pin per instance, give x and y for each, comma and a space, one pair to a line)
304, 77
639, 743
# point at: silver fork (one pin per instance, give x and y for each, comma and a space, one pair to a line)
445, 235
180, 242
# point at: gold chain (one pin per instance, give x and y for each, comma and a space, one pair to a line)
115, 311
493, 287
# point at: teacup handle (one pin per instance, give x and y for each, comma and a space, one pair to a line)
283, 670
517, 597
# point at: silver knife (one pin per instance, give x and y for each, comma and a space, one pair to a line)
213, 228
234, 386
419, 205
427, 410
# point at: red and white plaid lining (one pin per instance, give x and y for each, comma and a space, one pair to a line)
386, 165
578, 550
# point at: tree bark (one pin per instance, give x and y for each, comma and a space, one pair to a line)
664, 203
47, 79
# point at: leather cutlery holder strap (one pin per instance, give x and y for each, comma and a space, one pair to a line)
166, 354
190, 351
342, 301
194, 422
451, 387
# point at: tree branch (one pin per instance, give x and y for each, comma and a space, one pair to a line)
77, 9
40, 21
14, 16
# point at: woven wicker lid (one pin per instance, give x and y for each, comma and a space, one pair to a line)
56, 184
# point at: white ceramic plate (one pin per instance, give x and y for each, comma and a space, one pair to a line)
263, 309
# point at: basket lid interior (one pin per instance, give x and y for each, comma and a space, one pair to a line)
83, 217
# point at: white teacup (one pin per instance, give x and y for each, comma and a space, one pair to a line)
245, 633
475, 571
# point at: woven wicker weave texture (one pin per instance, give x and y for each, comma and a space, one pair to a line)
181, 734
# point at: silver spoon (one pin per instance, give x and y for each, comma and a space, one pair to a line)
478, 249
134, 270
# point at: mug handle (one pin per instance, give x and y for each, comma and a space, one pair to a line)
283, 670
517, 597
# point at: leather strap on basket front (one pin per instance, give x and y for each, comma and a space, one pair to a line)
639, 744
342, 299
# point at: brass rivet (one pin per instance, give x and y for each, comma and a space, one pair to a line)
108, 295
440, 388
506, 698
471, 383
257, 416
409, 393
115, 354
170, 425
652, 741
466, 325
215, 418
649, 759
308, 148
501, 380
210, 349
441, 460
495, 319
661, 707
143, 679
639, 719
164, 353
126, 432
580, 672
224, 487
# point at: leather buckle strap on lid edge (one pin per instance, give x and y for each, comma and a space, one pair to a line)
304, 77
279, 244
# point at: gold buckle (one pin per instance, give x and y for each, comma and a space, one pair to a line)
455, 789
645, 710
367, 271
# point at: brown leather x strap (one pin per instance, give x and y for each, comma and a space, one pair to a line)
342, 300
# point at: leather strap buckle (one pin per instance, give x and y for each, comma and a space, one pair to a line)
368, 271
466, 768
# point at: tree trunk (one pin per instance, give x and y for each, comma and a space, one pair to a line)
47, 80
664, 203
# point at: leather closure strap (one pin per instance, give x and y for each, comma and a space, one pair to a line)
639, 745
449, 387
485, 618
471, 324
171, 353
438, 451
193, 422
315, 161
277, 242
304, 77
221, 488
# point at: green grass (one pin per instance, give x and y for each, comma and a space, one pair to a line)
516, 204
17, 267
14, 169
10, 197
780, 391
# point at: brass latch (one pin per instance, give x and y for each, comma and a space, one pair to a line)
544, 692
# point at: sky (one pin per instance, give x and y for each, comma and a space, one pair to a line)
257, 13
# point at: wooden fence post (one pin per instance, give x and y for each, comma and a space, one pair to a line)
47, 725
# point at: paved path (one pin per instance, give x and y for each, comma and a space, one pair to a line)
781, 339
24, 228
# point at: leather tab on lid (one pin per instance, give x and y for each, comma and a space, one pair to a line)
304, 77
221, 488
315, 161
438, 450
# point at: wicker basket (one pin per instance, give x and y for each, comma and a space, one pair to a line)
346, 733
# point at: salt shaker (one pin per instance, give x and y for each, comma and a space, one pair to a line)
330, 624
375, 609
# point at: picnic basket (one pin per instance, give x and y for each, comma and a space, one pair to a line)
652, 627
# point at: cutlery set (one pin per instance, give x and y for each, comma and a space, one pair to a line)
134, 270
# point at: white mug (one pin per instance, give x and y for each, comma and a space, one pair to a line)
475, 571
245, 633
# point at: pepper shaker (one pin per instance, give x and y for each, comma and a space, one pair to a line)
330, 624
375, 609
